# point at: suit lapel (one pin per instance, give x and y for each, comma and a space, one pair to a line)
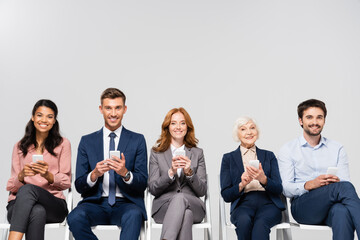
99, 145
260, 156
188, 153
124, 140
168, 157
237, 158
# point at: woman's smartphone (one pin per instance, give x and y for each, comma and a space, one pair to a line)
179, 152
36, 158
254, 163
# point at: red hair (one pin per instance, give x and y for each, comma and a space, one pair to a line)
163, 143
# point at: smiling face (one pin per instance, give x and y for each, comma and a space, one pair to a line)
313, 121
113, 111
44, 119
177, 127
248, 134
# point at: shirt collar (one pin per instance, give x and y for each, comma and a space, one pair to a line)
117, 131
173, 148
303, 142
245, 150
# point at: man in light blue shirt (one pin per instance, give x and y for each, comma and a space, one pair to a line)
319, 197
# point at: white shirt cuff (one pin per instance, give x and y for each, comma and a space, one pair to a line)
88, 180
130, 179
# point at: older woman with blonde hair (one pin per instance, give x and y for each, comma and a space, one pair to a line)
177, 177
250, 180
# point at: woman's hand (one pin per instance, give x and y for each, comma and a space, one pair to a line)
245, 180
26, 172
257, 174
41, 167
186, 163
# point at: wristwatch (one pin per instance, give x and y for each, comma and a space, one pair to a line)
127, 176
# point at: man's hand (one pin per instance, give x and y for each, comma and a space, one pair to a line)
320, 181
99, 170
118, 165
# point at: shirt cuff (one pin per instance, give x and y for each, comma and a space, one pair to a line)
130, 179
89, 182
173, 177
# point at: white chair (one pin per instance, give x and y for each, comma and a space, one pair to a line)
283, 230
69, 200
305, 226
205, 224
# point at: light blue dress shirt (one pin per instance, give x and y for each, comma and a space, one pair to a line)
299, 162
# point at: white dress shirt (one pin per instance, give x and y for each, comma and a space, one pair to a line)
106, 181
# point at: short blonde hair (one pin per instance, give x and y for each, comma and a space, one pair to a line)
240, 122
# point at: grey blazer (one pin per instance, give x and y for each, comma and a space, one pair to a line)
163, 188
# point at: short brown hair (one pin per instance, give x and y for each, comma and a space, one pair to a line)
112, 93
163, 143
311, 103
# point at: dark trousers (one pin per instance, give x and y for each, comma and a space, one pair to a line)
32, 209
87, 214
336, 205
254, 216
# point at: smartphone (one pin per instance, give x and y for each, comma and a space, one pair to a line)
36, 158
332, 170
179, 152
254, 163
114, 153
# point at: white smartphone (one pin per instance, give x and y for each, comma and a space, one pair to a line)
254, 163
114, 153
36, 158
179, 152
332, 170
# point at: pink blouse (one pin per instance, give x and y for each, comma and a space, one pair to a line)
59, 166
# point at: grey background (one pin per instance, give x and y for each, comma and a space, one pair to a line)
218, 59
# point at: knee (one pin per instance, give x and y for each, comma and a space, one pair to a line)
339, 211
242, 221
76, 216
38, 212
188, 215
132, 216
178, 198
25, 191
346, 185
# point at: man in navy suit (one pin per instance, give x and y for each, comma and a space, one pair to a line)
112, 187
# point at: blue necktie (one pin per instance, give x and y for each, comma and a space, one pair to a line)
112, 187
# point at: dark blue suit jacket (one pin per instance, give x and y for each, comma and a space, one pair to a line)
230, 176
91, 151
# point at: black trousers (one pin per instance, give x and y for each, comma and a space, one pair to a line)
32, 209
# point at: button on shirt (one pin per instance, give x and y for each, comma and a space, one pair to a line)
106, 142
299, 162
248, 154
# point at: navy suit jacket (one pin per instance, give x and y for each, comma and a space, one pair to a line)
91, 151
232, 168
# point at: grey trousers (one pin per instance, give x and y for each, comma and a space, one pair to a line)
32, 209
178, 216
